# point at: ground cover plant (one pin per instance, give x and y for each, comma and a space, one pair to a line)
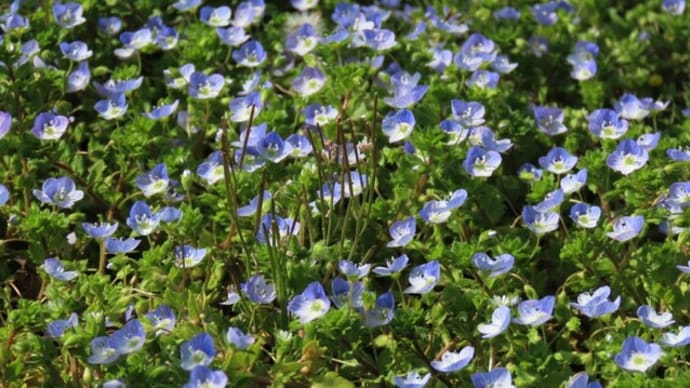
336, 194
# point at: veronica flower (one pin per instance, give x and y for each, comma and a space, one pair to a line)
186, 5
607, 124
300, 145
440, 59
457, 132
574, 182
68, 15
393, 266
437, 212
29, 51
379, 39
197, 351
4, 194
678, 154
244, 15
205, 87
626, 228
241, 107
311, 304
596, 304
475, 51
162, 319
250, 54
534, 312
500, 320
552, 201
258, 291
162, 111
112, 88
545, 14
357, 181
232, 36
497, 265
353, 271
469, 114
648, 141
61, 192
398, 125
677, 340
584, 215
481, 162
310, 81
5, 123
111, 25
495, 378
49, 126
507, 13
154, 182
632, 108
581, 380
115, 246
627, 157
483, 136
203, 377
638, 355
272, 147
57, 328
402, 232
168, 214
423, 278
76, 51
97, 230
454, 361
212, 169
412, 380
302, 41
130, 338
583, 70
141, 219
538, 45
319, 114
237, 337
187, 256
54, 269
558, 161
79, 79
215, 16
673, 7
502, 64
483, 79
549, 120
113, 107
103, 351
252, 207
232, 297
540, 223
653, 319
136, 40
347, 292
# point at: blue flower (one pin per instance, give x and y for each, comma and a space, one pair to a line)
103, 351
162, 319
545, 14
212, 169
321, 115
440, 59
638, 355
205, 87
530, 173
648, 141
310, 81
551, 201
303, 5
500, 320
677, 340
475, 51
596, 304
626, 228
483, 136
245, 15
382, 313
538, 45
61, 192
252, 207
627, 157
437, 212
258, 291
345, 292
241, 107
300, 145
78, 79
111, 25
5, 123
187, 256
607, 124
237, 337
402, 232
57, 328
215, 16
581, 380
495, 378
497, 266
76, 51
469, 114
4, 194
272, 147
154, 182
457, 132
198, 351
535, 312
507, 13
584, 215
394, 266
186, 5
112, 88
483, 79
574, 182
203, 377
379, 39
358, 182
412, 380
454, 361
168, 214
632, 108
112, 107
232, 36
502, 64
398, 125
353, 271
311, 304
558, 161
68, 15
250, 54
481, 162
141, 219
540, 223
232, 297
678, 154
679, 193
583, 70
99, 230
302, 41
673, 7
115, 246
423, 278
49, 126
162, 111
135, 40
130, 338
549, 120
653, 319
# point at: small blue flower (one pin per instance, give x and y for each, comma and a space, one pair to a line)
507, 13
258, 291
232, 36
311, 304
303, 5
76, 51
357, 181
111, 88
558, 161
115, 246
679, 193
483, 79
237, 337
638, 355
535, 312
393, 266
626, 228
581, 380
205, 87
440, 59
530, 173
500, 320
540, 223
423, 278
648, 141
155, 181
272, 147
469, 114
398, 125
187, 256
245, 15
112, 107
402, 232
412, 380
483, 136
130, 338
320, 115
502, 64
345, 292
583, 70
252, 207
78, 79
549, 120
212, 169
457, 132
203, 377
49, 126
141, 219
5, 123
232, 297
61, 192
673, 7
475, 51
136, 40
4, 194
382, 313
162, 111
111, 25
68, 15
352, 270
57, 328
574, 182
198, 351
379, 39
584, 215
596, 304
677, 340
481, 162
250, 54
302, 41
545, 14
162, 319
632, 108
103, 351
186, 5
454, 361
551, 201
678, 154
651, 318
310, 81
215, 16
495, 378
437, 212
627, 157
241, 107
607, 124
496, 266
99, 230
300, 145
538, 45
168, 214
